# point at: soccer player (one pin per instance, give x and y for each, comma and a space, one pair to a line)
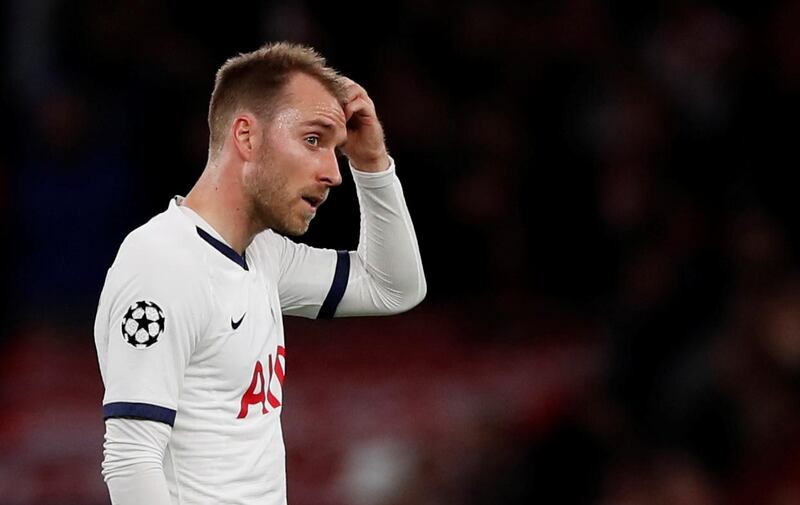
189, 329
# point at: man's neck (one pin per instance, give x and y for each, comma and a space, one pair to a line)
217, 197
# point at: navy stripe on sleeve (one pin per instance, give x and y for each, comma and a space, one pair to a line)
139, 411
338, 286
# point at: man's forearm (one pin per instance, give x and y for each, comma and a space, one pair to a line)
387, 274
133, 462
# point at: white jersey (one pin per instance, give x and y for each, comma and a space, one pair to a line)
190, 334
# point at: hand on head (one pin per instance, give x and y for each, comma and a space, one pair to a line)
365, 146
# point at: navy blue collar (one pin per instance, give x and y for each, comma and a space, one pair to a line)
223, 248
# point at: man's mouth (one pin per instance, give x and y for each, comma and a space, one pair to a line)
313, 200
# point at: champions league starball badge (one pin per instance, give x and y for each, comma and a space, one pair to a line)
142, 324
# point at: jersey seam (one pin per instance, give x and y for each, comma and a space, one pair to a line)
176, 477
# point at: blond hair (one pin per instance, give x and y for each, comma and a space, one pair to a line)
255, 81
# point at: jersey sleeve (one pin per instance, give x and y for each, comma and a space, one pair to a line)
151, 314
133, 462
383, 276
306, 276
386, 274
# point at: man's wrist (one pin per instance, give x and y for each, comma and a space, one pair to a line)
372, 180
375, 164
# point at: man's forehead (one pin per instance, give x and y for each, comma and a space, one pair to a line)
313, 100
327, 116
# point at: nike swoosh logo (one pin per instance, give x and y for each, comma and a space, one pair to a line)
235, 324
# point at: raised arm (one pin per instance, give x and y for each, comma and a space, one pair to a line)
384, 275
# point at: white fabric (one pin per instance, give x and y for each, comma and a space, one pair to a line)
223, 449
386, 276
133, 464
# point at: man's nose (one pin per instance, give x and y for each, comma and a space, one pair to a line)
330, 174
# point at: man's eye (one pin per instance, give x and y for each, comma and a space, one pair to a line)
312, 140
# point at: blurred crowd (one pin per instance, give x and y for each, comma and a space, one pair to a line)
611, 177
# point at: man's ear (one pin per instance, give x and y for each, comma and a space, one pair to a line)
246, 135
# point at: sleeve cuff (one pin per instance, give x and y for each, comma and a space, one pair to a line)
139, 411
374, 179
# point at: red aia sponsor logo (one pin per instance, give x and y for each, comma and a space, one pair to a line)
259, 390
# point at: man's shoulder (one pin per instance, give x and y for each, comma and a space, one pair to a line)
164, 244
269, 243
268, 238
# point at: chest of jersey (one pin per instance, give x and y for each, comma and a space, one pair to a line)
240, 361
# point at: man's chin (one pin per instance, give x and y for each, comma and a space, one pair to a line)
293, 230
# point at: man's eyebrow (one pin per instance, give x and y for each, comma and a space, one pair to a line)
322, 123
319, 122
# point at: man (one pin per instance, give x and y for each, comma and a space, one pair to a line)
189, 330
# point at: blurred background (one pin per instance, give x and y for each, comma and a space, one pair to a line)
602, 195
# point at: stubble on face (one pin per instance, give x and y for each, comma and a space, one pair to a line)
283, 186
271, 204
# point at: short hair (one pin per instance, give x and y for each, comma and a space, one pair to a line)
255, 81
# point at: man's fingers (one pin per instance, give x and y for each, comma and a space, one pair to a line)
361, 108
353, 87
353, 91
365, 146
